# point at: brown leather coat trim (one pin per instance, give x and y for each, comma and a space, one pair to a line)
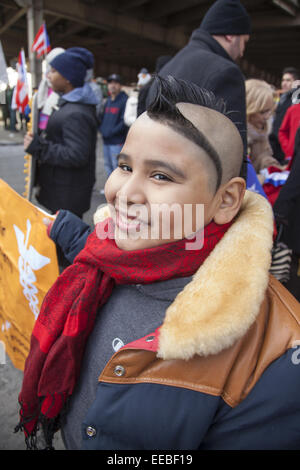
233, 372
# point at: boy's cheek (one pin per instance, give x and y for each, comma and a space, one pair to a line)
111, 188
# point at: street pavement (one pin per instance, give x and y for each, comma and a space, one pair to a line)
11, 171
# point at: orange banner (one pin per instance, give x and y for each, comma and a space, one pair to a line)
28, 268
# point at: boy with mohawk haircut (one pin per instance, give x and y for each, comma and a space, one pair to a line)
172, 341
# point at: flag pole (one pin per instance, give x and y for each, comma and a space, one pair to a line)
34, 20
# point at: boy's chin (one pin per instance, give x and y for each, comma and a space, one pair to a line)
128, 244
131, 245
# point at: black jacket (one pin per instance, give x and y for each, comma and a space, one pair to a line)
66, 155
204, 62
282, 107
287, 205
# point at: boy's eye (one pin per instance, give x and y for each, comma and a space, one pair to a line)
124, 167
161, 177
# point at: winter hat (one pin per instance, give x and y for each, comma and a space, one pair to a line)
49, 57
226, 17
143, 77
114, 77
54, 53
73, 64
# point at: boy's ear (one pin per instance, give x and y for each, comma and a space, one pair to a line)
231, 196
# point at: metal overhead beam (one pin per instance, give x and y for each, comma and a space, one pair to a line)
13, 20
73, 30
83, 41
124, 6
285, 7
274, 21
157, 9
52, 23
277, 47
8, 4
12, 47
102, 18
188, 16
259, 21
74, 14
145, 29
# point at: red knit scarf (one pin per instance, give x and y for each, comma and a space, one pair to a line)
68, 314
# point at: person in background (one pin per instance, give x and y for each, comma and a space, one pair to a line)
130, 113
288, 129
44, 100
12, 109
66, 150
131, 109
259, 108
113, 127
289, 80
143, 93
5, 108
143, 77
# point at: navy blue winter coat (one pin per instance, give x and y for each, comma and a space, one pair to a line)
222, 371
113, 128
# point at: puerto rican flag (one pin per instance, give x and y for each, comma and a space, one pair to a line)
274, 180
21, 97
41, 43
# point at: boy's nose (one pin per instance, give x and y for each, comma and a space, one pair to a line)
133, 191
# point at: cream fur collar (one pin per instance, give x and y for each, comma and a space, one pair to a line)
223, 300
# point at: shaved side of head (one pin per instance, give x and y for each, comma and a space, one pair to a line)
200, 117
221, 134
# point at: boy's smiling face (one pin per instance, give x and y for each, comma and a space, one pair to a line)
158, 169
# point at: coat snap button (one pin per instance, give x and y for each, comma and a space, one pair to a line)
119, 371
150, 338
90, 431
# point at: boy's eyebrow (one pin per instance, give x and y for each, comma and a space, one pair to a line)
168, 166
123, 155
163, 164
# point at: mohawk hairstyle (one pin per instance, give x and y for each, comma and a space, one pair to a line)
171, 91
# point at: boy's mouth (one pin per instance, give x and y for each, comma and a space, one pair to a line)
126, 222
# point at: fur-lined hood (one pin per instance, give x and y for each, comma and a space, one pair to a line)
223, 300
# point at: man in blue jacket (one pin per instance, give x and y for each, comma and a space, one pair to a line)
113, 128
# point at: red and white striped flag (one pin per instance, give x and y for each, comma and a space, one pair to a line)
21, 97
41, 43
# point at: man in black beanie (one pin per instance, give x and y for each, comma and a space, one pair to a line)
208, 60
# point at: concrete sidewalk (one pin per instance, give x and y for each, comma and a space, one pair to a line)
8, 137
